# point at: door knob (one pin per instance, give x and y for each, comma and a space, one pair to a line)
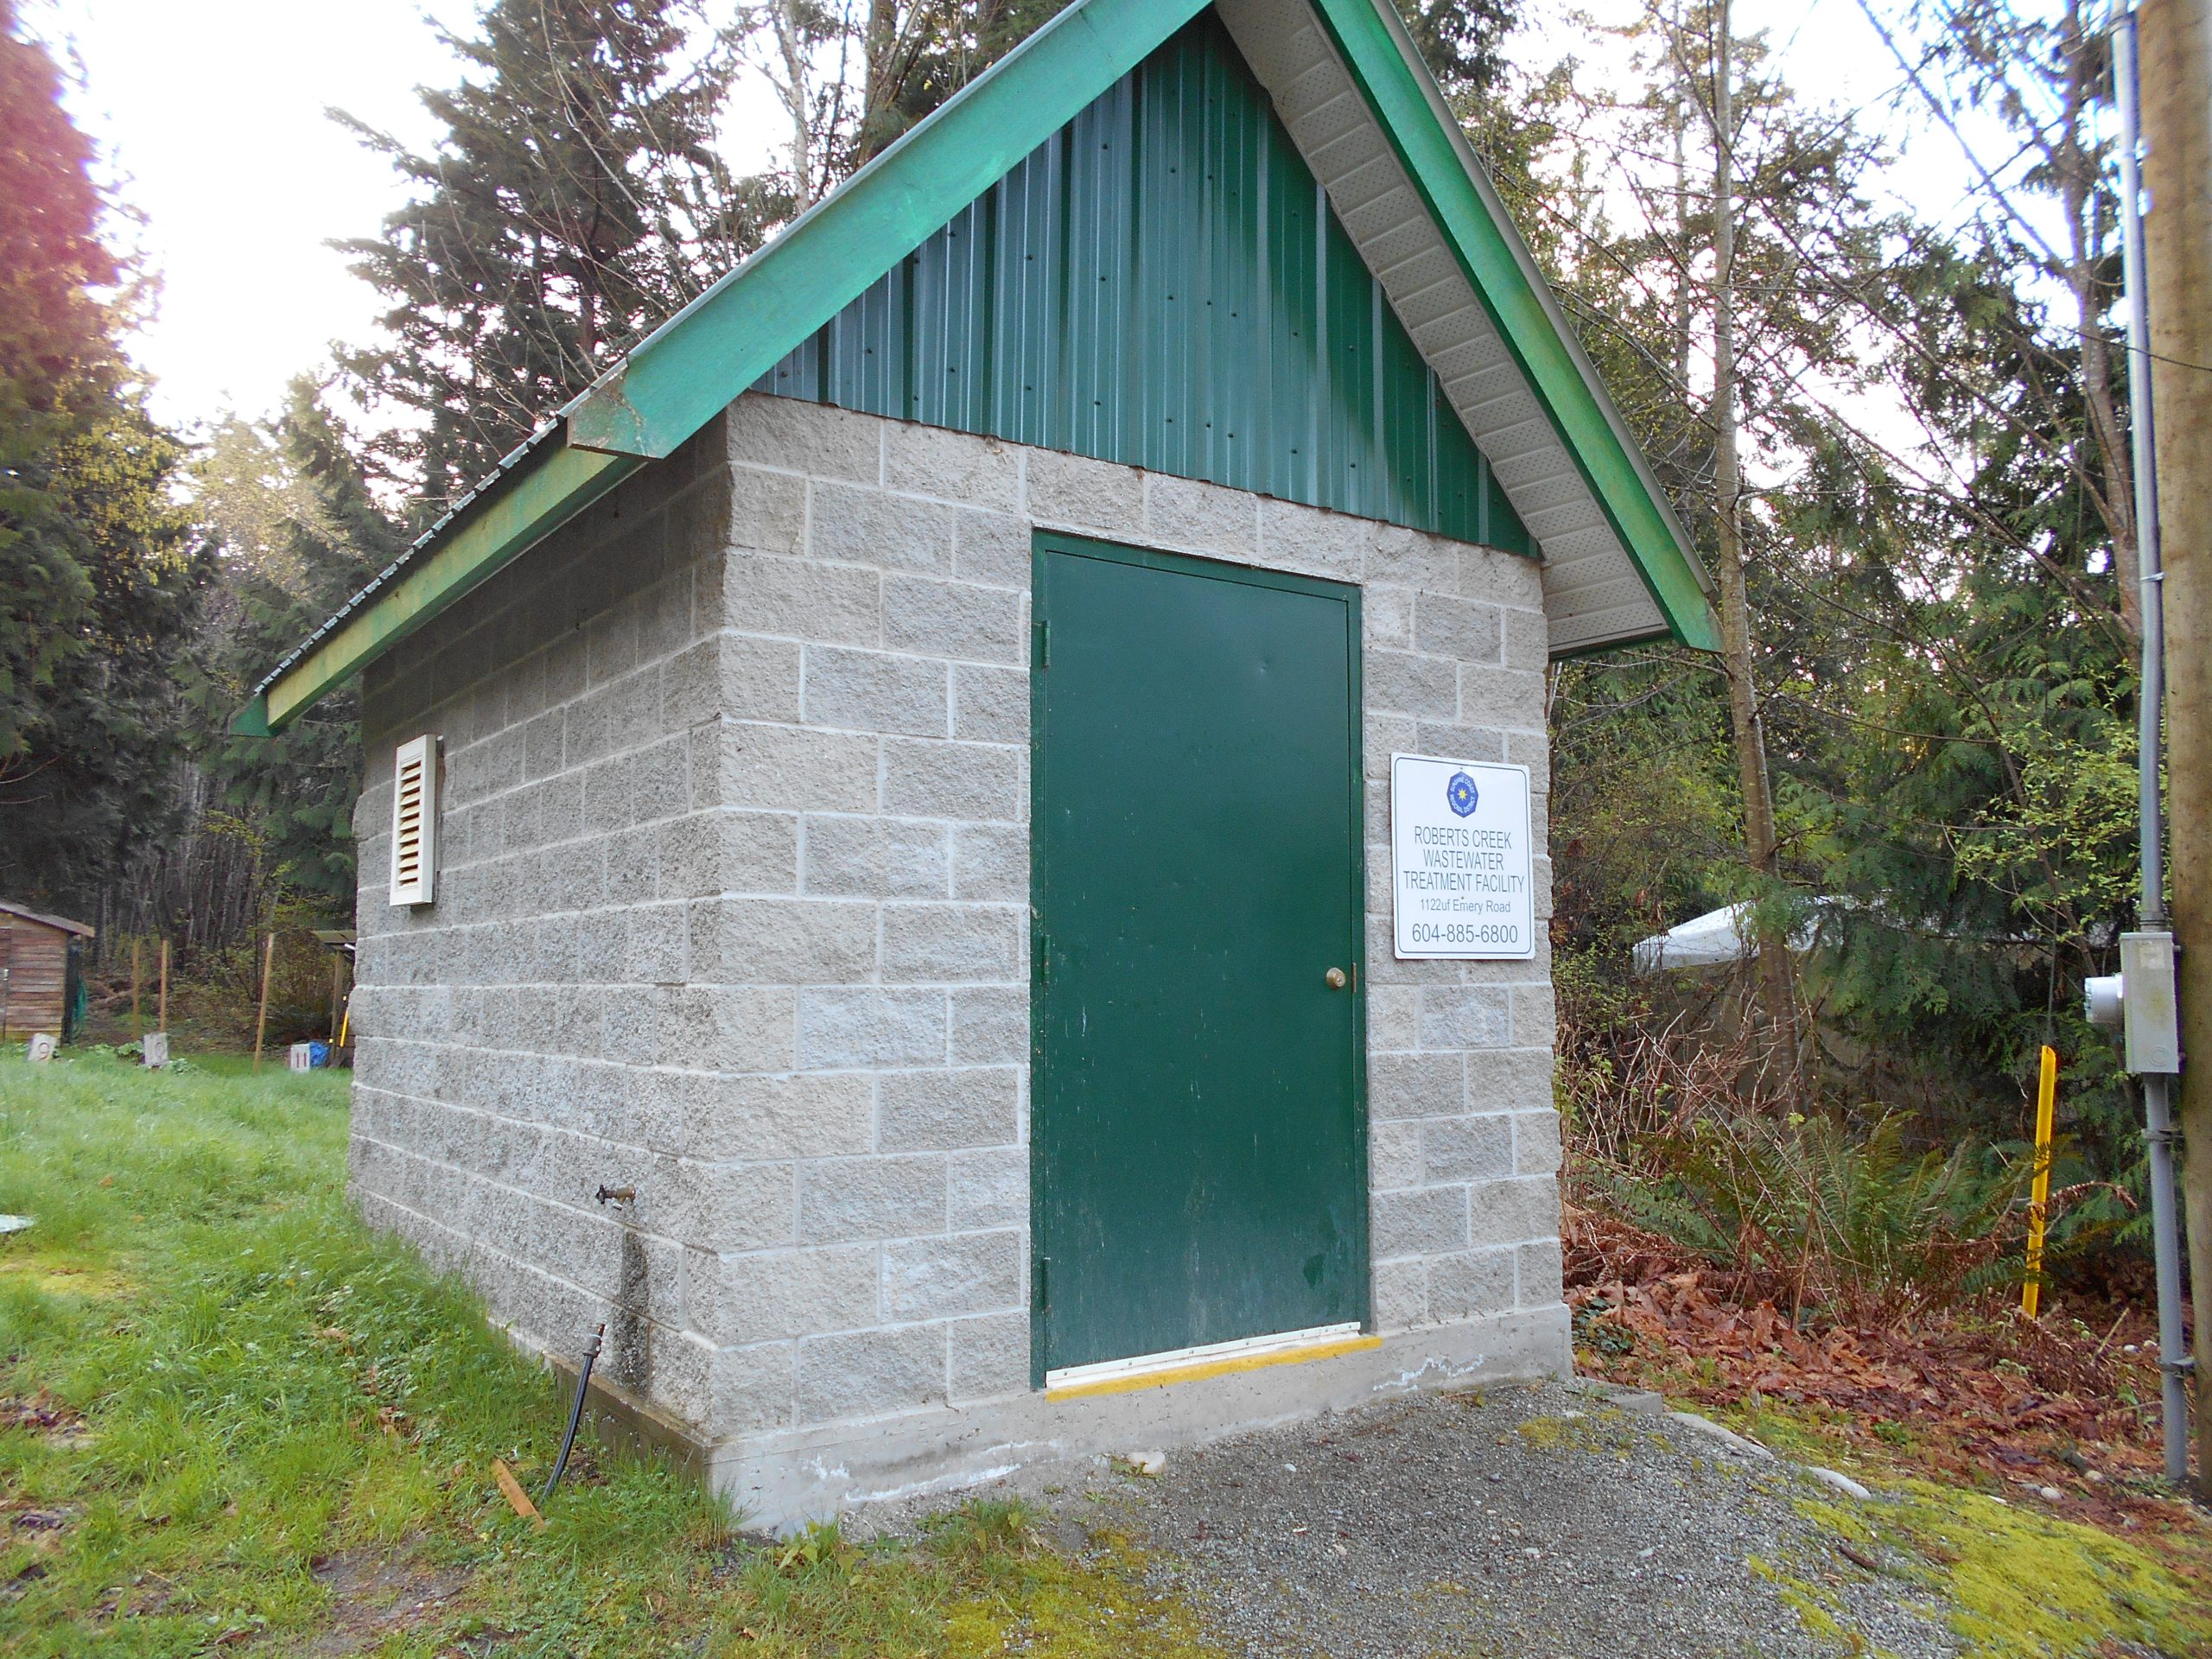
1335, 976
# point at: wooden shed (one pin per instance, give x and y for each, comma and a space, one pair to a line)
40, 970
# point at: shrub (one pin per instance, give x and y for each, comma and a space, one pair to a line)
1807, 1211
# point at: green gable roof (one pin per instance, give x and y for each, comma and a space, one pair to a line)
1562, 432
1163, 284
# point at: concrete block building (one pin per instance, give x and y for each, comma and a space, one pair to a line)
956, 849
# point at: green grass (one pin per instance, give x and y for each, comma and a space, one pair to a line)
238, 1420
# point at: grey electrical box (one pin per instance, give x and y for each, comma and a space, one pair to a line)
2153, 1025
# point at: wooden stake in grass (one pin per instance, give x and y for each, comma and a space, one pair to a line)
161, 1009
517, 1498
2039, 1197
261, 1020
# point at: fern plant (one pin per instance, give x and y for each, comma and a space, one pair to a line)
1808, 1210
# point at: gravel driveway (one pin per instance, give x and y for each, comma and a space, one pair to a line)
1529, 1520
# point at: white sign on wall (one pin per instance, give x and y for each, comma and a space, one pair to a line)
1462, 855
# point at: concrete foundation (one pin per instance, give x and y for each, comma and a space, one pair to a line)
782, 1483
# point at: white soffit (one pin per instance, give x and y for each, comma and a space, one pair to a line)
1592, 594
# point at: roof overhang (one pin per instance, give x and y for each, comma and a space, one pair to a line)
1375, 130
62, 923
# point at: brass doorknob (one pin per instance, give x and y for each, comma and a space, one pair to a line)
1336, 978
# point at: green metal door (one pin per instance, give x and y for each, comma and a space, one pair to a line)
1198, 1134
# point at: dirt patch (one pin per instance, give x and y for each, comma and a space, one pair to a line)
33, 1533
42, 1414
377, 1593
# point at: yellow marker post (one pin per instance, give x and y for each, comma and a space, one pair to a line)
2039, 1195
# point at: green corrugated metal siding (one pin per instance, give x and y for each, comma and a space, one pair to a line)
1163, 284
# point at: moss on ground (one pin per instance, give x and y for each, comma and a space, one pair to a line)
1820, 1611
2025, 1584
1603, 1428
2010, 1581
1101, 1608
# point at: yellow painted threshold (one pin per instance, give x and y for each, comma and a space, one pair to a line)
1199, 1370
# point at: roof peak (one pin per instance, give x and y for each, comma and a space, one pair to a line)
1375, 130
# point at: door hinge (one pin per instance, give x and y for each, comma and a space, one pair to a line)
1041, 642
1044, 1267
1044, 958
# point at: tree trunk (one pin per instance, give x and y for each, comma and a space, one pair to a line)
2176, 68
2077, 172
880, 87
1760, 848
798, 99
1679, 102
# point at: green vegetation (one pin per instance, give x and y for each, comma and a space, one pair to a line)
2025, 1585
230, 1414
1825, 1212
99, 577
2011, 1580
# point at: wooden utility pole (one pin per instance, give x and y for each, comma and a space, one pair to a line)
1760, 847
2175, 43
261, 1020
162, 1007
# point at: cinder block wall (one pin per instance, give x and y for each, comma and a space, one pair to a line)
532, 1034
776, 976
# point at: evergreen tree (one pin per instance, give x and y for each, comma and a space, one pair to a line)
918, 56
853, 80
573, 201
299, 533
1459, 40
98, 577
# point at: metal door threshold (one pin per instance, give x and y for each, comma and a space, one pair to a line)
1213, 1359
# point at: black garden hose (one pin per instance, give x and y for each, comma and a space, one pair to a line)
575, 1416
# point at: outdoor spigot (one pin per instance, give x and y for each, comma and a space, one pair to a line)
615, 1194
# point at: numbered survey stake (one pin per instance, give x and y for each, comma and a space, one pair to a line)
1461, 855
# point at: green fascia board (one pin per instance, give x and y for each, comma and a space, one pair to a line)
252, 721
686, 372
1444, 170
534, 502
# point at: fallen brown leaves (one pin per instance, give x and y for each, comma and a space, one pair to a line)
1968, 1395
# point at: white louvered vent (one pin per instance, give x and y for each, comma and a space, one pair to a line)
415, 821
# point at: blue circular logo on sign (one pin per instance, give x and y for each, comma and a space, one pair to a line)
1460, 792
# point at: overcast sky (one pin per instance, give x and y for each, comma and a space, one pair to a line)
212, 117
